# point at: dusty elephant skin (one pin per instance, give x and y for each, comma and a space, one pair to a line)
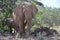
22, 13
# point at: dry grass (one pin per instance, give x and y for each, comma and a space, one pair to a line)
56, 28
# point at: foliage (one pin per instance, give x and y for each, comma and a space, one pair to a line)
7, 7
4, 28
49, 17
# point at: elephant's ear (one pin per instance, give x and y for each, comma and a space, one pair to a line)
34, 10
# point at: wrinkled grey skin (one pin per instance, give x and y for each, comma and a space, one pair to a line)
23, 15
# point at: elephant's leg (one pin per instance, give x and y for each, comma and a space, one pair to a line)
28, 19
19, 21
28, 27
21, 26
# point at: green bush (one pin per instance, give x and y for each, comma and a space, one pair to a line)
4, 28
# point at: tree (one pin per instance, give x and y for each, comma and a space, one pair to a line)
7, 7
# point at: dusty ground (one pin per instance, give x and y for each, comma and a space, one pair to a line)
7, 36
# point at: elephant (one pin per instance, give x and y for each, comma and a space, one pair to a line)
22, 16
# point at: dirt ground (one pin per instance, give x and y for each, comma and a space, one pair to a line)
7, 36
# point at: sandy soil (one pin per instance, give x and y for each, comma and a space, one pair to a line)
7, 36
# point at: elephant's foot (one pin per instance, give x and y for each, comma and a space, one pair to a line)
27, 34
22, 34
